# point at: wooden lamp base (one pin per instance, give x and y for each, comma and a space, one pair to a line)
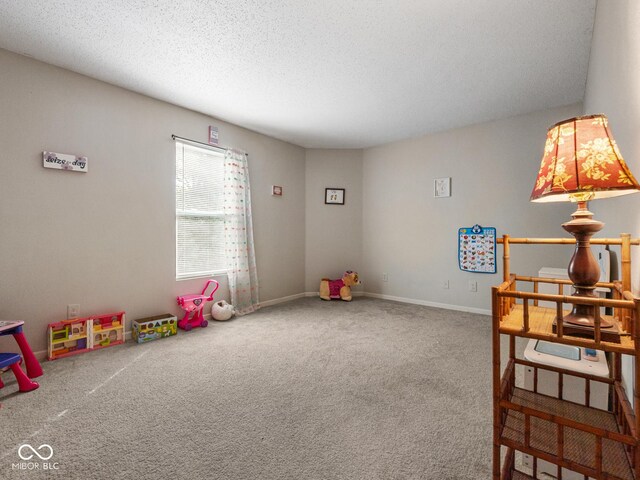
583, 270
610, 334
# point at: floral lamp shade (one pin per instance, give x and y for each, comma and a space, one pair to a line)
582, 162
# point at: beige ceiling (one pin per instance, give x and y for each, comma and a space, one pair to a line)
331, 73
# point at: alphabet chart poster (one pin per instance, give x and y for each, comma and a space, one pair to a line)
477, 249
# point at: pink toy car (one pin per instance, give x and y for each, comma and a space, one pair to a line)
195, 303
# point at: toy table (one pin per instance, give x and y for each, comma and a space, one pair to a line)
14, 327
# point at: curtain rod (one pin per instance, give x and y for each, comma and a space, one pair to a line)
224, 149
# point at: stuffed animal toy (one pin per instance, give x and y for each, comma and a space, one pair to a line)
222, 310
330, 289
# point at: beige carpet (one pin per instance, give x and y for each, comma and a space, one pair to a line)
303, 390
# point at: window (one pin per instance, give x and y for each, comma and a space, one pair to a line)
200, 248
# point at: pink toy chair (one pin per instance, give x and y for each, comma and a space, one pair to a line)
195, 303
13, 360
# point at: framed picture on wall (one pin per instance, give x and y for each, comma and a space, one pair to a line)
334, 196
213, 135
442, 187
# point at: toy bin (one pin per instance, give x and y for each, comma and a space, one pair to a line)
153, 328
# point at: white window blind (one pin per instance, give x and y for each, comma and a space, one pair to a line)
200, 248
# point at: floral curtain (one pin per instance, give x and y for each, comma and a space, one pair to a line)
238, 232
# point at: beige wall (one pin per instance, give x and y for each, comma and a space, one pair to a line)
412, 236
333, 232
106, 239
613, 88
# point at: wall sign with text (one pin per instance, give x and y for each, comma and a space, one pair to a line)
63, 161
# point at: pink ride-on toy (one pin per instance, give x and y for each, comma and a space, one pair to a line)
13, 361
195, 303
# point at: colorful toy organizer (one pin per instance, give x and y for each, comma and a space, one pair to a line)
152, 328
79, 335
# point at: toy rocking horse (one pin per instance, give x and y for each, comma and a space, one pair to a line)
339, 289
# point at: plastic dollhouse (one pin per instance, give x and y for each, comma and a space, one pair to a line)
80, 335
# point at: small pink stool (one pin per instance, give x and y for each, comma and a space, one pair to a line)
13, 360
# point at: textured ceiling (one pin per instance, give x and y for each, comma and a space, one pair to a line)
331, 73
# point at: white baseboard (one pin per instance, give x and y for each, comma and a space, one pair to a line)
42, 354
446, 306
426, 303
317, 294
275, 301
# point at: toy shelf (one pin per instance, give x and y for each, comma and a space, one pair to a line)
70, 339
100, 329
65, 354
110, 344
80, 335
571, 437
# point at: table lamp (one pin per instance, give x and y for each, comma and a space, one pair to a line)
581, 162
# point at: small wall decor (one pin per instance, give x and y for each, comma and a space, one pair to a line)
213, 135
334, 196
442, 187
276, 190
477, 249
63, 161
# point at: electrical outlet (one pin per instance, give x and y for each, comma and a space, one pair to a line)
473, 286
445, 284
73, 310
385, 277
